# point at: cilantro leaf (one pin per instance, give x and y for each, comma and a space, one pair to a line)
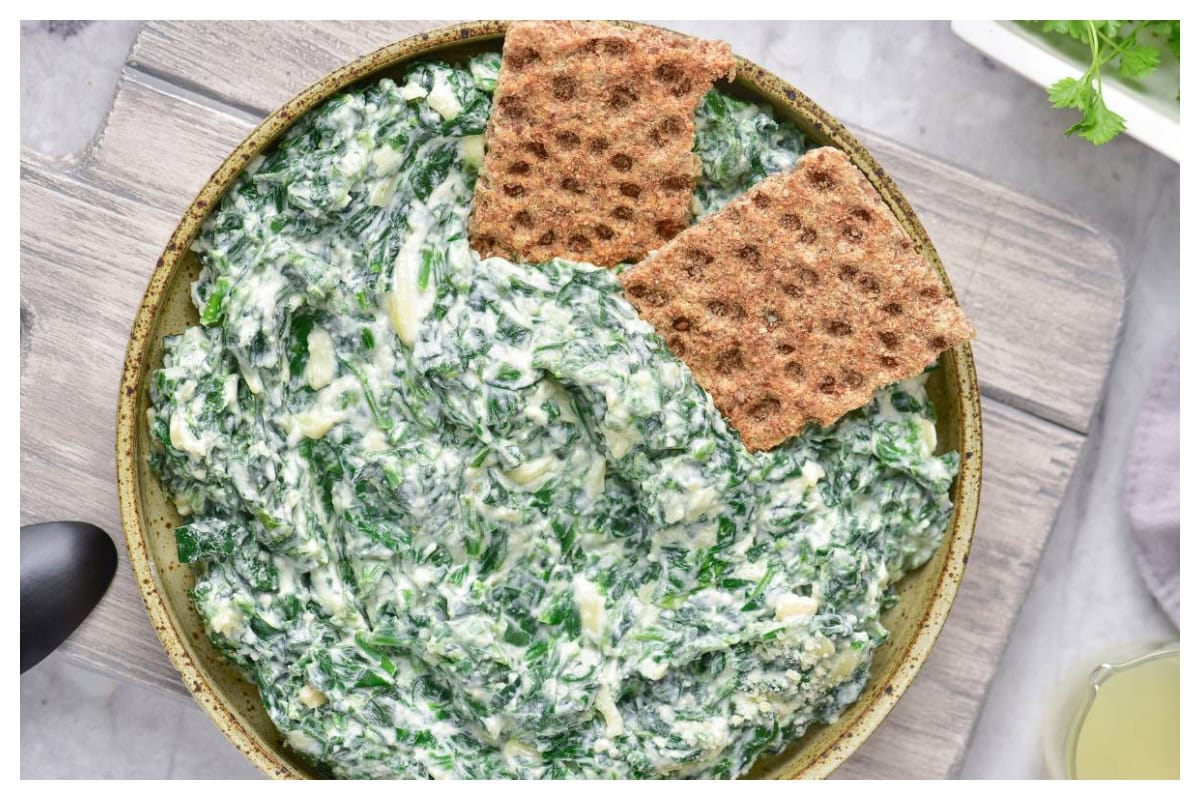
1107, 27
1071, 93
1099, 125
1075, 28
1138, 61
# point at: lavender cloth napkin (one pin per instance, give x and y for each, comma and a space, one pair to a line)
1152, 485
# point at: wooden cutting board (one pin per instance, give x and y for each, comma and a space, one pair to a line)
1045, 291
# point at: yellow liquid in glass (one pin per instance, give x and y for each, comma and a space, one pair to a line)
1132, 728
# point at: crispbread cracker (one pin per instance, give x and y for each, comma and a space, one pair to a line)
589, 146
797, 301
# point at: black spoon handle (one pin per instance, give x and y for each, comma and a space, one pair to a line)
66, 568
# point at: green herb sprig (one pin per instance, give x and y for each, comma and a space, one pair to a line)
1117, 41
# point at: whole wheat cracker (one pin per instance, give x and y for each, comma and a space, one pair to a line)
589, 145
797, 301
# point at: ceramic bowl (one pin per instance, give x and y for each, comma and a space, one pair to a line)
149, 517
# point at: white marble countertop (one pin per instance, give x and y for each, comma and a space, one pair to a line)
913, 82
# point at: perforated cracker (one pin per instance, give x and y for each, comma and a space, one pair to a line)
797, 301
589, 146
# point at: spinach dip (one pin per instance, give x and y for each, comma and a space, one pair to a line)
472, 519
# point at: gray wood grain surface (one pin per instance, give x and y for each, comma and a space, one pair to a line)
1044, 290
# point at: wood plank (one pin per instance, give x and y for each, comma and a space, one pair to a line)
1044, 290
213, 57
84, 257
160, 148
1027, 463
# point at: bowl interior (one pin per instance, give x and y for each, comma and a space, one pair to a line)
150, 517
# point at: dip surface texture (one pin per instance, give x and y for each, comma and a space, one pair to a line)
463, 518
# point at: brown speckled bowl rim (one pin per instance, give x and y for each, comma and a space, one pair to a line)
860, 719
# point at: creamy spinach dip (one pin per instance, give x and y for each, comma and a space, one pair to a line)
464, 518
